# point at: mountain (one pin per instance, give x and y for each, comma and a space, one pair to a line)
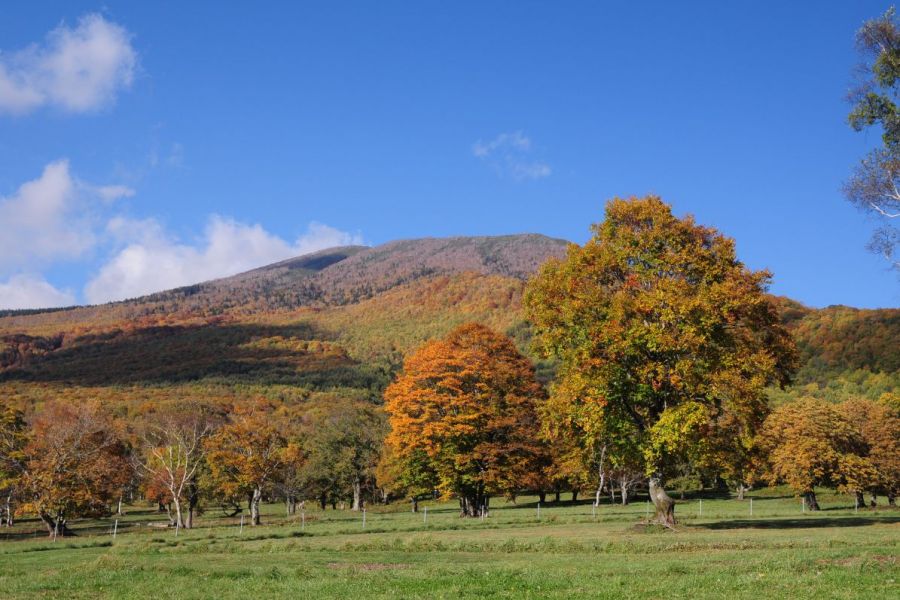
339, 321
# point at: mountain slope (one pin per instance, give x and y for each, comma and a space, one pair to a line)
339, 322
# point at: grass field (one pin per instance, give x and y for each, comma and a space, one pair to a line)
567, 552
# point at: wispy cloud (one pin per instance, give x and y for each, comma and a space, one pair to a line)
510, 154
77, 69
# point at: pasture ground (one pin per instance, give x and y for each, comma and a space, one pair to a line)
567, 552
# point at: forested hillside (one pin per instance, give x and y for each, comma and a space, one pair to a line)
340, 321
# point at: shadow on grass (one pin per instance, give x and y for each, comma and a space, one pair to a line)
802, 523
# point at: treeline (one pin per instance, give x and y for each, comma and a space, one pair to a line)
81, 460
466, 419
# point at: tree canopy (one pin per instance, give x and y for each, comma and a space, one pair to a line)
662, 336
464, 410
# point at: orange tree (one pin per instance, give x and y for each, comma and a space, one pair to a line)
660, 332
76, 464
463, 411
879, 425
245, 456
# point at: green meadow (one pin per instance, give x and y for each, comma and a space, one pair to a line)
569, 550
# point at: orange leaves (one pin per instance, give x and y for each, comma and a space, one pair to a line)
76, 463
467, 403
810, 443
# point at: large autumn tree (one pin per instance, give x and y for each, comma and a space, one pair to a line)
662, 335
463, 411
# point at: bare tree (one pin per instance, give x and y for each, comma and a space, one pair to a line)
172, 454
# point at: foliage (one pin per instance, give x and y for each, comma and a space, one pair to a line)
342, 443
879, 425
76, 464
652, 319
810, 443
468, 404
245, 456
874, 184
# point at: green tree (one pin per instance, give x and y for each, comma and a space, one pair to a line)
875, 184
343, 443
660, 332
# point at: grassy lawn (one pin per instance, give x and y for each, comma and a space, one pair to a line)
569, 552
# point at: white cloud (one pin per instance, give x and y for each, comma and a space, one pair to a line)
509, 154
49, 218
32, 291
78, 69
153, 261
40, 221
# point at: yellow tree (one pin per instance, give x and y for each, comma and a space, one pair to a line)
245, 456
809, 443
879, 425
463, 411
660, 331
13, 437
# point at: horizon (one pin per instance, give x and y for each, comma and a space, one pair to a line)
198, 144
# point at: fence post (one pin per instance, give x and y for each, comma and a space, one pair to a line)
115, 529
539, 511
242, 525
425, 516
701, 508
751, 507
364, 518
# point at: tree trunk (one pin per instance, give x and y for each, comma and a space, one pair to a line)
357, 495
811, 502
179, 519
323, 501
292, 504
665, 506
415, 504
469, 505
56, 526
860, 500
741, 488
254, 506
9, 510
119, 506
558, 493
874, 500
574, 495
891, 496
542, 497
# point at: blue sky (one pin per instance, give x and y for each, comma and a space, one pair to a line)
202, 139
